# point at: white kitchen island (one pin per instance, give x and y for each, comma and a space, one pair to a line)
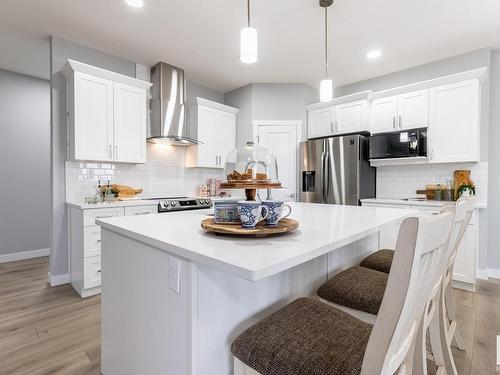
174, 297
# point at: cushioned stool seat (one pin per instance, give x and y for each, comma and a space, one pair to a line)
306, 337
357, 287
380, 260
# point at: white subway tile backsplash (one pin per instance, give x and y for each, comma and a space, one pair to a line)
401, 181
163, 175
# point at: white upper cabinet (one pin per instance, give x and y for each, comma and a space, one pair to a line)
405, 111
320, 122
129, 124
413, 110
106, 114
453, 134
214, 125
343, 115
351, 117
92, 110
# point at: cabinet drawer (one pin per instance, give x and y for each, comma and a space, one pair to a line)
90, 216
91, 272
141, 210
91, 241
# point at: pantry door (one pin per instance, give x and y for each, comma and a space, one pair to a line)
283, 140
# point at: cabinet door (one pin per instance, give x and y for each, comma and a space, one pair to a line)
129, 124
351, 117
320, 122
413, 110
207, 153
453, 134
93, 118
384, 113
226, 134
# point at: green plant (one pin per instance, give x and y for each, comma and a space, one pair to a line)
465, 187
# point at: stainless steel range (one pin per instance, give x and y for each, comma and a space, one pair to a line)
181, 203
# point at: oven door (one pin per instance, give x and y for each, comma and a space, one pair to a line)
390, 145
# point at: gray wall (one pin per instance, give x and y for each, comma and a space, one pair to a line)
457, 64
24, 163
60, 51
242, 98
494, 164
193, 90
269, 101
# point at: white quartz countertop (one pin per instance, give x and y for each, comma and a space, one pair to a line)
322, 229
125, 203
414, 202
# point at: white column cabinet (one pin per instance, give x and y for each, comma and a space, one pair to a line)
106, 114
214, 125
454, 122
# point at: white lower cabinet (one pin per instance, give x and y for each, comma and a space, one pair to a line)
85, 244
464, 271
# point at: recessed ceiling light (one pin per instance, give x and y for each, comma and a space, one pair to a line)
375, 54
135, 3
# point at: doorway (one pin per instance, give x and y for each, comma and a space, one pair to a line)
282, 138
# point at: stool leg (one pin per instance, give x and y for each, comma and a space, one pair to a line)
444, 335
450, 308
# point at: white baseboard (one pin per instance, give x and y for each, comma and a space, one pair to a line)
484, 274
55, 280
22, 255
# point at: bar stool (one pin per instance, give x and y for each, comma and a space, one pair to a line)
359, 292
310, 337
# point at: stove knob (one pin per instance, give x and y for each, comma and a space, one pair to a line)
172, 204
165, 204
207, 201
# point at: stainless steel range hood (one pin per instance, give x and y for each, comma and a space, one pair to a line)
168, 110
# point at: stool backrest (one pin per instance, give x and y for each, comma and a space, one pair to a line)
418, 264
464, 209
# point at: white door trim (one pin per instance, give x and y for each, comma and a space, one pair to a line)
296, 123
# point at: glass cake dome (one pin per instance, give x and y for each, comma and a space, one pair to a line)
251, 164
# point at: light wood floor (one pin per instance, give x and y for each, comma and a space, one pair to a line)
47, 330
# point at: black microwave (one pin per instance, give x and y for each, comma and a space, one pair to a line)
401, 144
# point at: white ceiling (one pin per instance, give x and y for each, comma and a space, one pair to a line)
202, 36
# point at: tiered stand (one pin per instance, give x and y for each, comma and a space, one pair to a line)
261, 230
250, 187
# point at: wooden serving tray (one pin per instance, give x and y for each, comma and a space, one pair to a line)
284, 226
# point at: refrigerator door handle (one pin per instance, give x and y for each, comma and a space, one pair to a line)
323, 170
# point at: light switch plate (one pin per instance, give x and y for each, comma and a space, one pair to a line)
174, 274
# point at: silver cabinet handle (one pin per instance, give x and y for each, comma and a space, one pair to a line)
116, 152
110, 151
336, 126
400, 120
98, 271
331, 127
98, 240
431, 155
216, 159
103, 216
141, 213
394, 122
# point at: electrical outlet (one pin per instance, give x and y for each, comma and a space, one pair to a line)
174, 274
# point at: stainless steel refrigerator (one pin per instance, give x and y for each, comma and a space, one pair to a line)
336, 170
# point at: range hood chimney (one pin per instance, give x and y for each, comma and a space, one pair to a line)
168, 110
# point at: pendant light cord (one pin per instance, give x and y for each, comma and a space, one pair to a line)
326, 42
248, 12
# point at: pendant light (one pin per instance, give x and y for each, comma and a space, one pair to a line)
248, 48
326, 85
